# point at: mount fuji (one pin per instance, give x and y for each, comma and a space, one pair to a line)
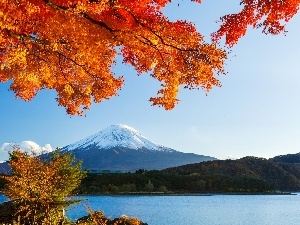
122, 148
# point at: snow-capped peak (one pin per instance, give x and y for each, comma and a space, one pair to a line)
116, 136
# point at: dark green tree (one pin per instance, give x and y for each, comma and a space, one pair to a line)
149, 186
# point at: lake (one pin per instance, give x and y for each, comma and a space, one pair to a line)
197, 210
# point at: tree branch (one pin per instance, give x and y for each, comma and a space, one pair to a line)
84, 14
25, 37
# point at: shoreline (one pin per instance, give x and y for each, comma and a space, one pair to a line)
186, 194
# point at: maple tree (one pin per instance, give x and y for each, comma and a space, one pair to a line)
270, 15
39, 187
71, 45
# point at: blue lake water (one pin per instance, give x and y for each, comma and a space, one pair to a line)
197, 210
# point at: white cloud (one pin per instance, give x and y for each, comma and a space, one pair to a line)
27, 146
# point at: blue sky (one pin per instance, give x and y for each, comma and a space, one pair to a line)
256, 112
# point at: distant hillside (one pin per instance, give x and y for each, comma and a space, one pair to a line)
281, 176
248, 174
289, 158
245, 175
162, 181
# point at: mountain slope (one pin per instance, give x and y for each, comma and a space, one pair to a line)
281, 176
289, 158
120, 147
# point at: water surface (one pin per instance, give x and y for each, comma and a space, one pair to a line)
198, 210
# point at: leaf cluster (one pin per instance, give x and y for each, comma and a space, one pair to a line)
270, 15
97, 217
39, 187
71, 46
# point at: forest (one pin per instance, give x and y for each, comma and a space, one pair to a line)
161, 182
245, 175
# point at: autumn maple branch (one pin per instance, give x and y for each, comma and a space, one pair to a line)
84, 14
153, 32
23, 37
97, 22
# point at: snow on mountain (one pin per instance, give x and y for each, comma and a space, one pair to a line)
117, 136
27, 146
122, 148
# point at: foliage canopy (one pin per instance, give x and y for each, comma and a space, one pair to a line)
71, 45
39, 187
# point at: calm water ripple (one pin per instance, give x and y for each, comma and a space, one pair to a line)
197, 210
